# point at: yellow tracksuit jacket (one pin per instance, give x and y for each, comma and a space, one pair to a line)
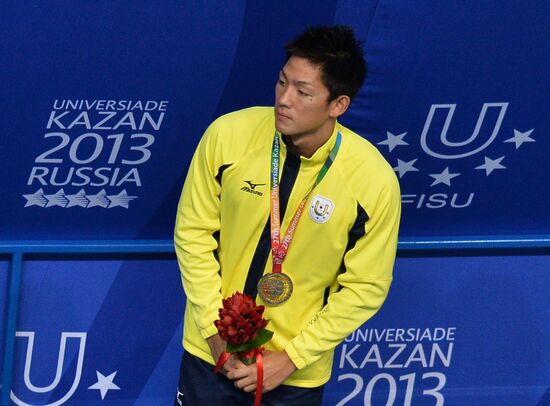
340, 259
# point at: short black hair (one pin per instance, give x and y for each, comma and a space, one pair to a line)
339, 54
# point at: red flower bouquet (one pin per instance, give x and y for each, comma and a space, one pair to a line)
242, 326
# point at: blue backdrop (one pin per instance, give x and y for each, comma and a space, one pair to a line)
103, 104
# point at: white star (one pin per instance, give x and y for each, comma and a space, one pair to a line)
491, 164
78, 200
520, 137
36, 199
404, 167
98, 200
393, 140
57, 199
104, 383
122, 199
443, 177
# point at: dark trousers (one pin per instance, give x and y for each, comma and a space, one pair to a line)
199, 386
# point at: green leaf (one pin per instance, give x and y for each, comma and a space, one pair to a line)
263, 336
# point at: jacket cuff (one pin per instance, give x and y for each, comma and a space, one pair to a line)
209, 331
298, 361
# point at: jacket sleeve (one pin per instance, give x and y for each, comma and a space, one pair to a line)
197, 223
364, 284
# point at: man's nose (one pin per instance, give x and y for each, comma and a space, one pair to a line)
284, 97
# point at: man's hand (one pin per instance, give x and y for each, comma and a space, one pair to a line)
217, 346
277, 367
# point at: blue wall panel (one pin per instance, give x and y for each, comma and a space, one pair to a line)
121, 316
103, 105
469, 330
4, 278
111, 101
476, 326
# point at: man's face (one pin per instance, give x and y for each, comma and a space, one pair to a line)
301, 100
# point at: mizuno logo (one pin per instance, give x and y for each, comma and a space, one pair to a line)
251, 188
253, 185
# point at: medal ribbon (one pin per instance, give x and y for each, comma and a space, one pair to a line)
279, 248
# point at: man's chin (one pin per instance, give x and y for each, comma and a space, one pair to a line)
281, 128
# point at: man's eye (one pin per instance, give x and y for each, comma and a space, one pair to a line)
302, 93
281, 82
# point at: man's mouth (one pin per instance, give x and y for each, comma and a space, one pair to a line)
281, 115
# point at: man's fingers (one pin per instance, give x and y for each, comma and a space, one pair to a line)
244, 378
240, 373
233, 363
245, 382
250, 388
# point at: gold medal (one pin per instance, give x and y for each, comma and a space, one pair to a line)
275, 288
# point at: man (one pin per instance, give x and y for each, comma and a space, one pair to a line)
340, 248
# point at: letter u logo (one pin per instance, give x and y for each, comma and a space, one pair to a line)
478, 141
320, 208
60, 361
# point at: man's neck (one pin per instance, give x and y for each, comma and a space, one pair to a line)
307, 144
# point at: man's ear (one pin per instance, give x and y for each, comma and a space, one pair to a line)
339, 106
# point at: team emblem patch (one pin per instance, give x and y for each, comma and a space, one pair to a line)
320, 209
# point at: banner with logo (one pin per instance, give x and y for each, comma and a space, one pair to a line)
93, 331
453, 331
456, 102
107, 133
103, 106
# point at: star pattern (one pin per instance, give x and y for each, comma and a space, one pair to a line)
403, 167
393, 140
408, 163
491, 164
122, 199
80, 199
443, 177
100, 200
521, 137
57, 199
104, 383
36, 199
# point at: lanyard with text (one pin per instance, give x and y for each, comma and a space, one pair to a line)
276, 288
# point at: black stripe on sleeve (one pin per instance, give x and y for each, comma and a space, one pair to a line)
220, 173
288, 178
357, 231
216, 236
325, 298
